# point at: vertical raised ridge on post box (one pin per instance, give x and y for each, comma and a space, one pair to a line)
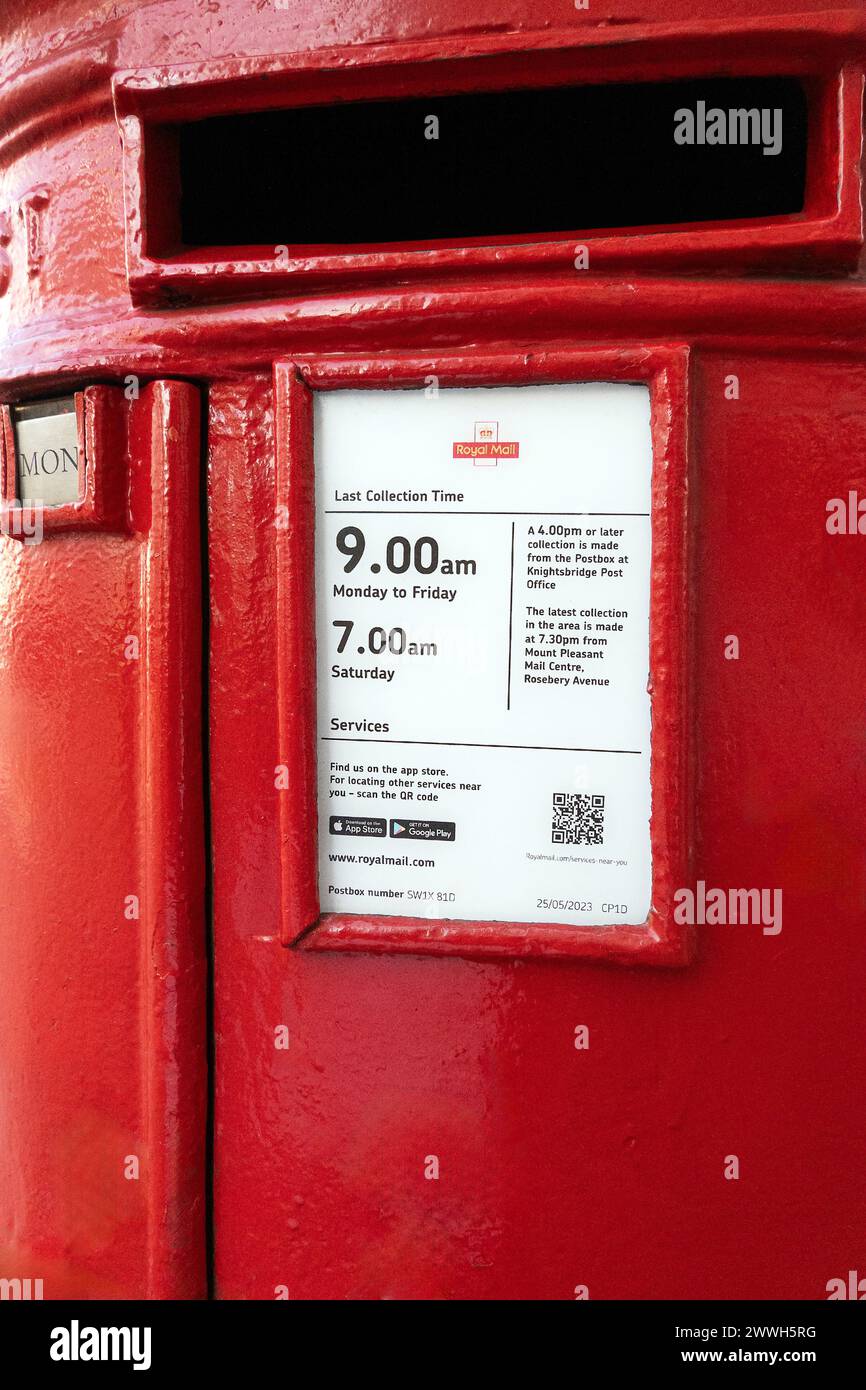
294, 531
165, 444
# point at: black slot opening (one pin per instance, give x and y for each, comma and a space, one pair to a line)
504, 164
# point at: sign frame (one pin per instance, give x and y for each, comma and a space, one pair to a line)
102, 473
659, 940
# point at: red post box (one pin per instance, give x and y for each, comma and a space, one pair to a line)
433, 513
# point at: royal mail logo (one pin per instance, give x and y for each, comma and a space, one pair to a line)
486, 449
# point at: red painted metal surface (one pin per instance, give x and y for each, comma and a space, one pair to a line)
559, 1167
102, 944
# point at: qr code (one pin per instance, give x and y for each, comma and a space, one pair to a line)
577, 819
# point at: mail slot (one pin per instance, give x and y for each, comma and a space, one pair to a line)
431, 662
398, 171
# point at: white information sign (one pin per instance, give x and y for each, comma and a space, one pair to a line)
482, 582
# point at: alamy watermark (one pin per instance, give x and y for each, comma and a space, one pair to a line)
23, 521
719, 907
737, 126
77, 1343
21, 1290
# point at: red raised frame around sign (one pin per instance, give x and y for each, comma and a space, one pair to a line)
660, 940
101, 418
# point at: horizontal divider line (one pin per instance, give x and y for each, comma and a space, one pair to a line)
437, 743
426, 511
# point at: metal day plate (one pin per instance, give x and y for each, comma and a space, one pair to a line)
46, 453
